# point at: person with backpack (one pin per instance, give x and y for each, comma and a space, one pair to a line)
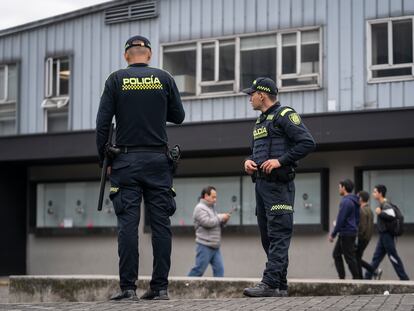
389, 224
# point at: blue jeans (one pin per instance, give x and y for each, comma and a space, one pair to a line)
207, 255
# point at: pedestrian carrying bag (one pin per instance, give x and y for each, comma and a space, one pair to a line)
396, 227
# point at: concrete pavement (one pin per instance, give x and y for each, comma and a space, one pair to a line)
397, 302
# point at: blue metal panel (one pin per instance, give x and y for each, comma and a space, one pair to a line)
242, 106
397, 94
185, 19
207, 110
309, 102
165, 21
217, 18
229, 107
408, 7
228, 22
384, 98
345, 53
408, 94
206, 18
285, 14
218, 109
309, 8
383, 9
396, 7
196, 111
370, 9
320, 12
195, 19
358, 55
30, 86
40, 83
96, 61
77, 80
297, 101
263, 14
332, 48
251, 15
297, 13
274, 14
239, 16
175, 19
320, 101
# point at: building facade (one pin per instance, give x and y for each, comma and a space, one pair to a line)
345, 65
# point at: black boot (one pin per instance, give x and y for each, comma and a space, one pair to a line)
155, 295
283, 293
125, 295
261, 290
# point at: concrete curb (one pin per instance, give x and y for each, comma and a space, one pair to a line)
99, 287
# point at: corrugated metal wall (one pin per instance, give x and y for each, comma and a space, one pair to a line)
97, 50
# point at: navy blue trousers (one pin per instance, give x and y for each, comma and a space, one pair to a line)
135, 176
275, 220
386, 246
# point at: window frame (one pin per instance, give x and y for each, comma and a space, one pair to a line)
60, 175
6, 100
55, 103
390, 65
237, 38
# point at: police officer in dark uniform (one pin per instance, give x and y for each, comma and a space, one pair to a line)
280, 139
142, 99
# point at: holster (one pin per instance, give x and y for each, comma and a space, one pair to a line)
174, 154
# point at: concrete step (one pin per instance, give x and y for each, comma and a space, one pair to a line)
71, 288
4, 290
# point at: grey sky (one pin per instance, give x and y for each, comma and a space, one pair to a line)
17, 12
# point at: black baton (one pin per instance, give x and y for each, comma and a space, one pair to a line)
104, 169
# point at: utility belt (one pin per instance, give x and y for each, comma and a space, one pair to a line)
282, 174
130, 149
173, 154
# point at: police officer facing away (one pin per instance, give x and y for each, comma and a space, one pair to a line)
280, 139
142, 99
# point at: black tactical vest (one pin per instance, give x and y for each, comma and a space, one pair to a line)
269, 140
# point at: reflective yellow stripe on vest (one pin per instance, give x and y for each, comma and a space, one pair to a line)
285, 111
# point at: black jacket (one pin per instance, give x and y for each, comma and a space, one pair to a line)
142, 99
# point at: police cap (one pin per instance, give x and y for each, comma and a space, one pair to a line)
262, 84
137, 41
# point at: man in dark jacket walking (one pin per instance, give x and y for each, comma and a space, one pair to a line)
365, 230
386, 243
346, 226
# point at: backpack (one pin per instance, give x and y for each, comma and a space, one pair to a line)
396, 226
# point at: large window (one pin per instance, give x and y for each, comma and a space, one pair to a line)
8, 99
400, 185
72, 205
390, 49
237, 193
55, 104
213, 67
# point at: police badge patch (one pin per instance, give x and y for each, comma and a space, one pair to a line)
294, 118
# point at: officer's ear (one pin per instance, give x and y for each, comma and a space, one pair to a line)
149, 55
126, 56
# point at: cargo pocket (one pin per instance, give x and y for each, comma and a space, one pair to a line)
115, 195
172, 206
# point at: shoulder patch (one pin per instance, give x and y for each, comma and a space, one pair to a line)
294, 118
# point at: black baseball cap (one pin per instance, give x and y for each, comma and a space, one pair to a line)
262, 84
137, 41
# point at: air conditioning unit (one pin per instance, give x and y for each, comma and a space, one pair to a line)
186, 84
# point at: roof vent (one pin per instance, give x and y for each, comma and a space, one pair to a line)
127, 13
